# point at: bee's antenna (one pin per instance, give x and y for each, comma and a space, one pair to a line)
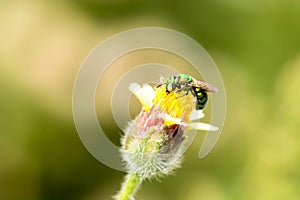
158, 85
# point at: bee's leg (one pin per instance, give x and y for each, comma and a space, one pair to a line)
187, 92
193, 93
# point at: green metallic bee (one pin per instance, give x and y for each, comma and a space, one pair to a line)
184, 82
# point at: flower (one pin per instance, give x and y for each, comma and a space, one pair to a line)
152, 145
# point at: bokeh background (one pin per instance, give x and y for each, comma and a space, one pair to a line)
255, 44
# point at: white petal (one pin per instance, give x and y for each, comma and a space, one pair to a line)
172, 119
203, 126
137, 91
148, 91
196, 114
134, 87
144, 94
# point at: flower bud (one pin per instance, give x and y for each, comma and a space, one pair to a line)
153, 142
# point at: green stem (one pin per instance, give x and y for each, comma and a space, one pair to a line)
129, 187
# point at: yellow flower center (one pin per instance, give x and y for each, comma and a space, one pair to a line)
177, 105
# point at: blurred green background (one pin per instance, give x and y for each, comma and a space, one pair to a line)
255, 44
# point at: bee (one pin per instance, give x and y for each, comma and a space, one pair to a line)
185, 82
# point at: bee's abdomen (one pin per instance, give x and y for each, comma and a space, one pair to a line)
201, 96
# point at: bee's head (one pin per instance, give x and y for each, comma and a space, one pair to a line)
185, 78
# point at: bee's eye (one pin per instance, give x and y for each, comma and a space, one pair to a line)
173, 86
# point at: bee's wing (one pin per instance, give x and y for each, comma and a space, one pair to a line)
162, 79
205, 86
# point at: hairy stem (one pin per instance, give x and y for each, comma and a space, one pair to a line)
129, 187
